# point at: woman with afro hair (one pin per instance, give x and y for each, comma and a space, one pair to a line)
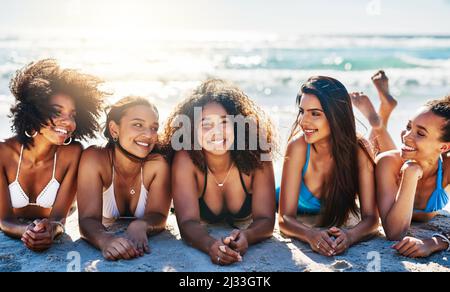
54, 107
223, 171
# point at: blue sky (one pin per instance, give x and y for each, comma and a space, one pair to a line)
265, 16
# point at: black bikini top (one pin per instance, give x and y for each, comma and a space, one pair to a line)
207, 215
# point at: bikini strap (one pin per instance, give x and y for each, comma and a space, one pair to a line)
54, 164
142, 174
308, 152
206, 182
243, 184
112, 166
20, 163
439, 174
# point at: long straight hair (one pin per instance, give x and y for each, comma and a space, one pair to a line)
341, 188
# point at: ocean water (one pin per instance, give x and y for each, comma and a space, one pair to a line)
269, 68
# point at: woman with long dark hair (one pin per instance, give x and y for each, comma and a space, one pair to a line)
54, 108
412, 182
327, 168
128, 178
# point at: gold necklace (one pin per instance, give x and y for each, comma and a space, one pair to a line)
220, 185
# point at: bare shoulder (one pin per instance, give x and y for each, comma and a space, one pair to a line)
74, 147
8, 148
182, 159
71, 152
266, 169
365, 154
389, 159
156, 163
95, 155
296, 148
365, 147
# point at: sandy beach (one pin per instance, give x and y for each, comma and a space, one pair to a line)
162, 50
171, 254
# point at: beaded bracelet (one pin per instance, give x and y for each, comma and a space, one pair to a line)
444, 238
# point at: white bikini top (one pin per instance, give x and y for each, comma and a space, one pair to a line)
110, 209
45, 199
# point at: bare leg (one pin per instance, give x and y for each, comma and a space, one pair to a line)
379, 136
365, 106
388, 102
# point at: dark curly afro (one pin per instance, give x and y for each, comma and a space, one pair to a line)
235, 102
35, 84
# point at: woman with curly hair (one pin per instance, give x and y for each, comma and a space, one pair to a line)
54, 107
223, 170
126, 178
413, 181
327, 168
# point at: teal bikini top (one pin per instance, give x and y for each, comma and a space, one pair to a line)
439, 198
307, 203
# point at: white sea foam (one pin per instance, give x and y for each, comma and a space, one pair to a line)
437, 63
270, 68
222, 40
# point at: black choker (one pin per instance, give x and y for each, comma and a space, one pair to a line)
128, 154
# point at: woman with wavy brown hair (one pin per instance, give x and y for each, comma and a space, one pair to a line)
222, 171
54, 108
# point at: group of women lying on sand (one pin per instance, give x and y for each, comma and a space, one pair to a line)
330, 173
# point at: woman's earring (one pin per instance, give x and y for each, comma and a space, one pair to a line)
115, 139
68, 143
30, 136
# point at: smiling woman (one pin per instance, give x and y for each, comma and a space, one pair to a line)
415, 178
47, 95
220, 181
54, 106
327, 169
127, 178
